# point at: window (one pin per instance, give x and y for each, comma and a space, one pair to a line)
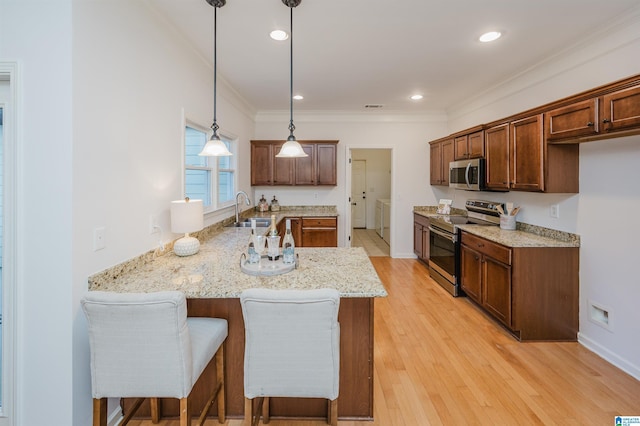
211, 179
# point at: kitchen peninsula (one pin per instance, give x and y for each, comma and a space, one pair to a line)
212, 281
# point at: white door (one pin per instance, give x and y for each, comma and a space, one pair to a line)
359, 194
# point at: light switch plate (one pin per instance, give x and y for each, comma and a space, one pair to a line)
99, 238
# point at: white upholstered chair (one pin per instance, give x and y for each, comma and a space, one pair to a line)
292, 348
143, 346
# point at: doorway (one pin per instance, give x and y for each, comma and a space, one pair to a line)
370, 188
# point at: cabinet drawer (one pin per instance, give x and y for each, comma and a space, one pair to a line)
421, 220
488, 248
319, 222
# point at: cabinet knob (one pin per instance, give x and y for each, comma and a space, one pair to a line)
590, 124
480, 245
606, 120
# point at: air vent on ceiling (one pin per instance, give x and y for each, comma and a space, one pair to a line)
373, 106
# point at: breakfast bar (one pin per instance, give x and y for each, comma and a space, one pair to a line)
212, 281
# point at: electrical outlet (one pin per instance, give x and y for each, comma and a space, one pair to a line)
315, 195
153, 225
99, 239
554, 211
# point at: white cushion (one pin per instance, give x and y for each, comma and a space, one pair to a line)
142, 344
292, 343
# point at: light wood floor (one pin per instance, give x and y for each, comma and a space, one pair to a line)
440, 361
370, 241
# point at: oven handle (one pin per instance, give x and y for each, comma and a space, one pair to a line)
450, 237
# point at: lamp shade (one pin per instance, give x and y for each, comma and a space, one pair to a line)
292, 149
186, 216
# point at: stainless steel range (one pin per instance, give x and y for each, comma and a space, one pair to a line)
444, 245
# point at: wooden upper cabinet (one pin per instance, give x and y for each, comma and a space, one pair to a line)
469, 146
497, 157
305, 168
282, 168
621, 109
527, 151
518, 159
326, 169
441, 153
262, 164
318, 168
575, 120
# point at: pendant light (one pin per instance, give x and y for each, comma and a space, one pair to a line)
291, 147
215, 147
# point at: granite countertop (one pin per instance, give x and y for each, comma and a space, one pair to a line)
214, 272
525, 235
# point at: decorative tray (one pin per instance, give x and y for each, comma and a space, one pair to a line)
266, 267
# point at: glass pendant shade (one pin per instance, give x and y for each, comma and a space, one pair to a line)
215, 148
292, 149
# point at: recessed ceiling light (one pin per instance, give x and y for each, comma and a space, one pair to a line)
416, 97
298, 97
490, 36
279, 35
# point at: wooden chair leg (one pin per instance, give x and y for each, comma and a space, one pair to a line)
220, 380
155, 410
265, 410
185, 412
248, 411
332, 415
99, 411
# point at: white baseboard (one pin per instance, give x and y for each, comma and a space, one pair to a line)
621, 363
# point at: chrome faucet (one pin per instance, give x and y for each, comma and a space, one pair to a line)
246, 197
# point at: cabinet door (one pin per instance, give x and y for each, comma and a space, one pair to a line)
579, 119
417, 240
447, 157
497, 156
282, 167
460, 147
496, 289
261, 164
471, 273
621, 109
527, 150
305, 170
326, 170
475, 145
296, 231
435, 163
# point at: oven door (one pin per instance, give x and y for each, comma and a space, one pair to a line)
442, 258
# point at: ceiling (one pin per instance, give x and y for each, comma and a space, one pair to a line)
350, 53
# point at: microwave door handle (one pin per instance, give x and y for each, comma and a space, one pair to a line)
466, 175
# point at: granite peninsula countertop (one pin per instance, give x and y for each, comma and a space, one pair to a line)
525, 235
214, 272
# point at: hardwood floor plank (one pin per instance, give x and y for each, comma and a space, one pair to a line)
440, 360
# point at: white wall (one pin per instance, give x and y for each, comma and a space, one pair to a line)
378, 175
406, 136
132, 87
605, 212
38, 36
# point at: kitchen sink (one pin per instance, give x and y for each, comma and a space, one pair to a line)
261, 222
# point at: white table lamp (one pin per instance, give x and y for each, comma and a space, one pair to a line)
186, 216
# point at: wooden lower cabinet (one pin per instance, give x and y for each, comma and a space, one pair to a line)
421, 237
533, 291
356, 366
319, 232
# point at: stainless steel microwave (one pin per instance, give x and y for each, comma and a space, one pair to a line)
468, 174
